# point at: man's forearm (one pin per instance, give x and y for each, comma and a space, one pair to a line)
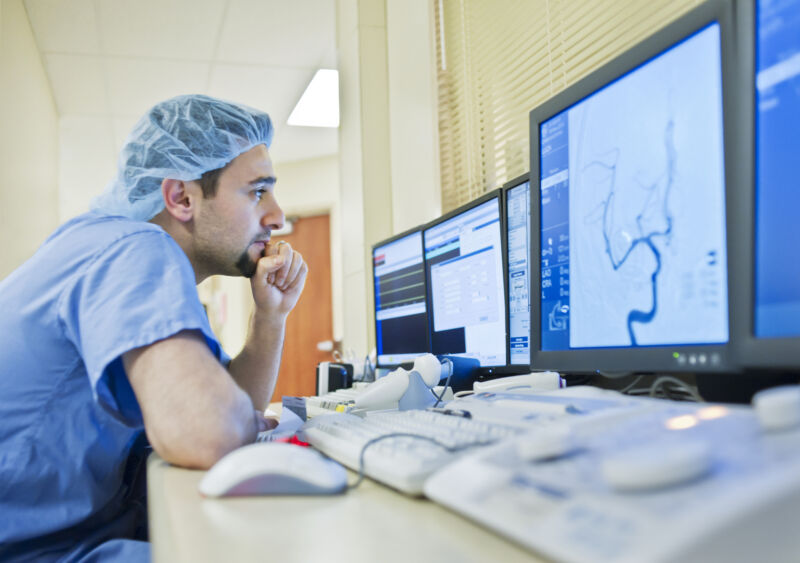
255, 369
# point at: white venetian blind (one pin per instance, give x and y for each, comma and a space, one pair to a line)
498, 59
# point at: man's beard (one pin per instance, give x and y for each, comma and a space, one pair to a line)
246, 265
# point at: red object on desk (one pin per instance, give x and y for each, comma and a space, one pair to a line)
293, 439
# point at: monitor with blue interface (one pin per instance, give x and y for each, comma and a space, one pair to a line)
464, 268
518, 218
401, 315
629, 210
772, 27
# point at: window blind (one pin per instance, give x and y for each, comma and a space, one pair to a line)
498, 59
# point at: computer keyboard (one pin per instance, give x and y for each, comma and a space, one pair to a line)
427, 441
666, 482
406, 462
335, 400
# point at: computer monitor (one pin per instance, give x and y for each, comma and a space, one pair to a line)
517, 199
401, 314
628, 216
464, 268
769, 34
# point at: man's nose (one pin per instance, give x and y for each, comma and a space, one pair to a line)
273, 219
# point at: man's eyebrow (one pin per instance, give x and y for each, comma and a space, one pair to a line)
264, 180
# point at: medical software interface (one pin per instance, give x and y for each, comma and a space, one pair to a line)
777, 229
401, 318
633, 208
464, 262
518, 218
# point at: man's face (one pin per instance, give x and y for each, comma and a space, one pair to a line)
231, 229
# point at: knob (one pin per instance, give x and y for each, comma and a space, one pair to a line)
778, 408
547, 443
656, 466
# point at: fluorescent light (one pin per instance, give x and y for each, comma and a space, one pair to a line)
319, 104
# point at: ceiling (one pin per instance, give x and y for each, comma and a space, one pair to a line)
110, 60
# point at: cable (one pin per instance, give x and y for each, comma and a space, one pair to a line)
631, 385
369, 369
446, 384
450, 449
681, 386
614, 374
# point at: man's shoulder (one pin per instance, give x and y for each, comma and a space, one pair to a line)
93, 233
94, 239
105, 226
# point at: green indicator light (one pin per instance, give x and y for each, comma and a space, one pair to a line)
676, 355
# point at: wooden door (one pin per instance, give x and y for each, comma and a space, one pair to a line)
311, 321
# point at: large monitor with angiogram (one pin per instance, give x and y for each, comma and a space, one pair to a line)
628, 206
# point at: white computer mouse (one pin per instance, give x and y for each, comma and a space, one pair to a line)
273, 468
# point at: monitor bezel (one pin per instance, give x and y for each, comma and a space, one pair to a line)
495, 193
384, 242
650, 359
753, 352
515, 368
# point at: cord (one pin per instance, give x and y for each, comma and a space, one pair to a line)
368, 373
632, 384
689, 393
446, 384
450, 449
614, 374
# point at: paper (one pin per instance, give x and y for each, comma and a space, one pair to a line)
289, 424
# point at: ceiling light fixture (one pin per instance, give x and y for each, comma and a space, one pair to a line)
319, 104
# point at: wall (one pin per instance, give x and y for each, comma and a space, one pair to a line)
413, 99
87, 162
28, 142
310, 187
387, 140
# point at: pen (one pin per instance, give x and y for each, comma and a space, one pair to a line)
452, 412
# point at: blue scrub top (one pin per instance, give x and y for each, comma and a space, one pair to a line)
71, 437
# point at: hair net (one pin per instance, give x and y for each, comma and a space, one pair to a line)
180, 138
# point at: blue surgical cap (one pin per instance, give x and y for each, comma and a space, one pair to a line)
180, 138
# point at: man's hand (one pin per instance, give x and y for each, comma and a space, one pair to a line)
264, 423
279, 280
277, 285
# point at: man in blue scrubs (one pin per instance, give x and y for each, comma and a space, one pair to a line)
105, 340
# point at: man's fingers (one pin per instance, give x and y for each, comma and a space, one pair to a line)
284, 250
299, 279
282, 267
267, 265
291, 272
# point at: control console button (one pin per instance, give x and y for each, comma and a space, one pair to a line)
656, 466
552, 443
778, 408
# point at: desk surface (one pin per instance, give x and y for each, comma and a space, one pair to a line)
369, 523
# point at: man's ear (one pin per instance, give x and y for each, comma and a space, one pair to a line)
178, 199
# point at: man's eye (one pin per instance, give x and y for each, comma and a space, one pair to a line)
260, 194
